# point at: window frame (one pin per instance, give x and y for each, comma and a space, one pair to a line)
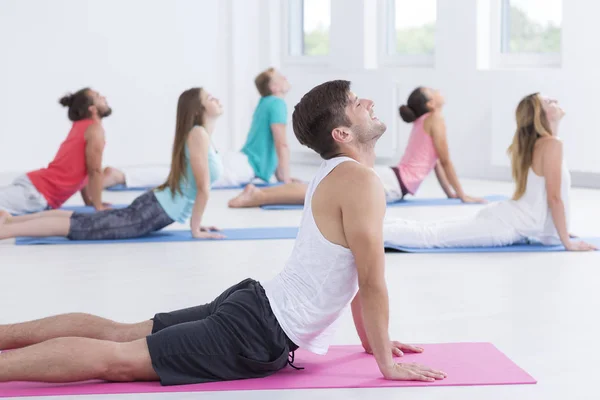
387, 41
500, 36
296, 31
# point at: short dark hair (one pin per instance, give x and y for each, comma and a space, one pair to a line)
262, 82
318, 113
79, 104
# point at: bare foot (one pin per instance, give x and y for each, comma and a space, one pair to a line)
4, 217
112, 177
250, 197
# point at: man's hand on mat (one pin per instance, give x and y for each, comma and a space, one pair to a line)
413, 372
469, 199
398, 349
580, 246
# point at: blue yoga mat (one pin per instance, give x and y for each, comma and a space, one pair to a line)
175, 236
515, 248
88, 209
123, 188
412, 202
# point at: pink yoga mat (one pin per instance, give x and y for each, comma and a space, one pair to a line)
343, 367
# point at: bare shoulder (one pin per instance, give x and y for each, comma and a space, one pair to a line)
550, 142
549, 147
198, 135
94, 132
354, 172
198, 132
434, 122
355, 181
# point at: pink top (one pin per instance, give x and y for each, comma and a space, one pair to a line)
420, 157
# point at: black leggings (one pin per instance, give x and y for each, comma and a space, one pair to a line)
145, 215
402, 187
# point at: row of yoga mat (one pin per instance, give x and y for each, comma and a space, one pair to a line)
124, 188
467, 364
274, 233
416, 202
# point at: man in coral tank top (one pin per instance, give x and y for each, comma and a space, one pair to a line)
77, 165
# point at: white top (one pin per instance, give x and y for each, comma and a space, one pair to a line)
318, 282
531, 215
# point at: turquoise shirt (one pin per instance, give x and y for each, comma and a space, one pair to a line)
260, 147
179, 206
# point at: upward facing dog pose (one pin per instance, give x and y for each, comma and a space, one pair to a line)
539, 210
195, 164
248, 331
77, 165
265, 154
427, 150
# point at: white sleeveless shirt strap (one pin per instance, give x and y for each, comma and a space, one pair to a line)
318, 282
326, 167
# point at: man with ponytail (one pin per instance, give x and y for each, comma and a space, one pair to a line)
77, 165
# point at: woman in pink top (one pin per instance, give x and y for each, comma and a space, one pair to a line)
427, 150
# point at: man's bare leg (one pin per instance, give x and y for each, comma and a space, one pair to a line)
290, 193
12, 219
73, 359
70, 325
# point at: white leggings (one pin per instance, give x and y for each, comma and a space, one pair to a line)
236, 171
481, 230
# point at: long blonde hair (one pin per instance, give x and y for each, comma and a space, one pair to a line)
532, 124
190, 112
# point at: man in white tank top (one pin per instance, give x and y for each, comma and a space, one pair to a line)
338, 258
249, 330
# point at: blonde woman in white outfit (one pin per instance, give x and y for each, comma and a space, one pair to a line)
539, 211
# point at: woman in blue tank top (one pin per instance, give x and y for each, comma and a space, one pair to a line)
194, 166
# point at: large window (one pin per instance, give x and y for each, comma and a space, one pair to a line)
410, 32
531, 26
414, 27
309, 22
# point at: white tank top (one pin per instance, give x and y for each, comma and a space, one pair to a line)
318, 281
530, 215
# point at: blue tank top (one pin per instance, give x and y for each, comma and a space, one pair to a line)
178, 206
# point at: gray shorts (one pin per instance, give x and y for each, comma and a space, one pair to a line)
145, 215
21, 197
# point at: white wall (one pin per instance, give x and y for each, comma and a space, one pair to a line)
141, 54
480, 103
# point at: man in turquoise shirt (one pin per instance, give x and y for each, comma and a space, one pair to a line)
266, 146
266, 153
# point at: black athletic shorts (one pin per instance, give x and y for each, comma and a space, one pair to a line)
235, 337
